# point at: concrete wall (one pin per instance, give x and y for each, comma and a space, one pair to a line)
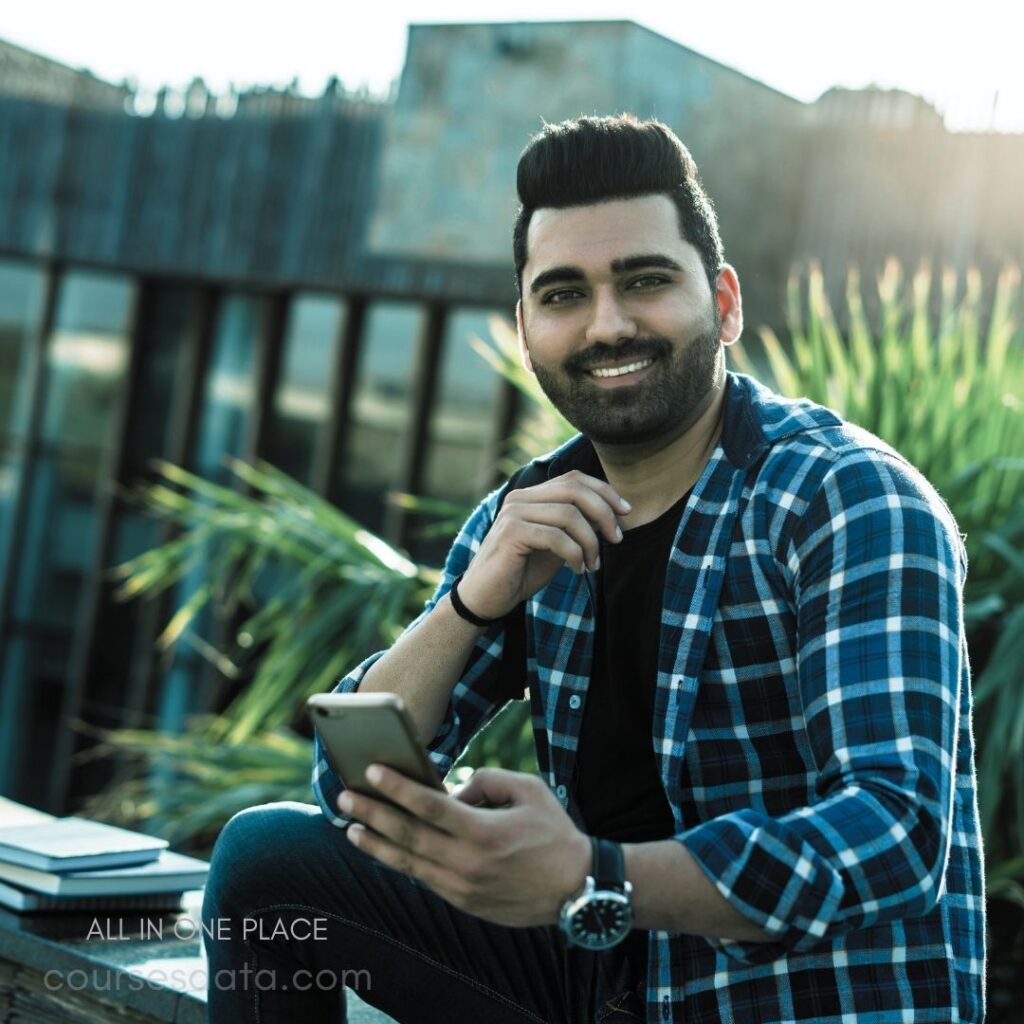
31, 76
471, 95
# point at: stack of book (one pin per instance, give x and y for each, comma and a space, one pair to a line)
49, 863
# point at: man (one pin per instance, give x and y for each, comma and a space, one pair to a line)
740, 624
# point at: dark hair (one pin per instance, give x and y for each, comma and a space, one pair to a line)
593, 159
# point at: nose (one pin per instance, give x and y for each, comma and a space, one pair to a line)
610, 320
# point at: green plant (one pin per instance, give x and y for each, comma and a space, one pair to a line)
312, 593
924, 378
316, 592
939, 374
212, 779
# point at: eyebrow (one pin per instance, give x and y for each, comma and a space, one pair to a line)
555, 274
639, 262
569, 273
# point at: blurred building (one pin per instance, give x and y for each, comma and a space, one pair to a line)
267, 275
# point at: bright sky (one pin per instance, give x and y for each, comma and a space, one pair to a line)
963, 56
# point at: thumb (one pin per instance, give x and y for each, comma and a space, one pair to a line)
496, 787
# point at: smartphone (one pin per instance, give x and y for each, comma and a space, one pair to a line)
360, 729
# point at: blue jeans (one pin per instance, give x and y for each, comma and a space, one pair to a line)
294, 913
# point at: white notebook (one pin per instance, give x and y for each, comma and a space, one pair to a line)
171, 872
67, 844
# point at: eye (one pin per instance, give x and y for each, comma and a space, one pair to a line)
648, 282
561, 296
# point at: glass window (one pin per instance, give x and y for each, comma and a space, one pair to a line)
22, 289
21, 301
87, 357
230, 385
122, 654
85, 364
29, 712
57, 545
117, 668
381, 409
228, 407
302, 395
171, 315
462, 423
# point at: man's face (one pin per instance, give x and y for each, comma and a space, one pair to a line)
617, 319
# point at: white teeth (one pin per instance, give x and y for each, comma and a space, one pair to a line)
618, 371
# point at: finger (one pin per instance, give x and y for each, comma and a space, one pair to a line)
428, 806
538, 537
565, 517
601, 487
575, 479
498, 787
596, 499
441, 878
401, 828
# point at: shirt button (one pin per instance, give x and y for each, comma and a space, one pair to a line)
575, 701
561, 792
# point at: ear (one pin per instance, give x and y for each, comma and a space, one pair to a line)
730, 304
524, 352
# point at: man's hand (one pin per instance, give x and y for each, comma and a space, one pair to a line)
502, 848
538, 530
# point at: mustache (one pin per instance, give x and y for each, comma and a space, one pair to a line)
630, 349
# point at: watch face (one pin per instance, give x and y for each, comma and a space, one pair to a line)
601, 921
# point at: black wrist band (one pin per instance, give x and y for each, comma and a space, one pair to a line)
460, 608
609, 864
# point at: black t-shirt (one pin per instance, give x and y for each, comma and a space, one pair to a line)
618, 786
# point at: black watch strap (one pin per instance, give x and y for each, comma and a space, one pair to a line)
609, 864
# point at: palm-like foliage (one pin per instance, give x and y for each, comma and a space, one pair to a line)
326, 592
926, 380
212, 779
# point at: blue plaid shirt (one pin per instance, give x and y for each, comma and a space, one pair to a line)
812, 724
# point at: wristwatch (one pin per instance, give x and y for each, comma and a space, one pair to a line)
601, 915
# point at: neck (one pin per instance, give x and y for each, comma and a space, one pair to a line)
653, 476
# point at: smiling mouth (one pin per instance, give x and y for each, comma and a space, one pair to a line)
619, 371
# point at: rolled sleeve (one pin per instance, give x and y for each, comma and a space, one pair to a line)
877, 569
477, 696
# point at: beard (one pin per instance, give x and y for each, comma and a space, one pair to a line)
667, 401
